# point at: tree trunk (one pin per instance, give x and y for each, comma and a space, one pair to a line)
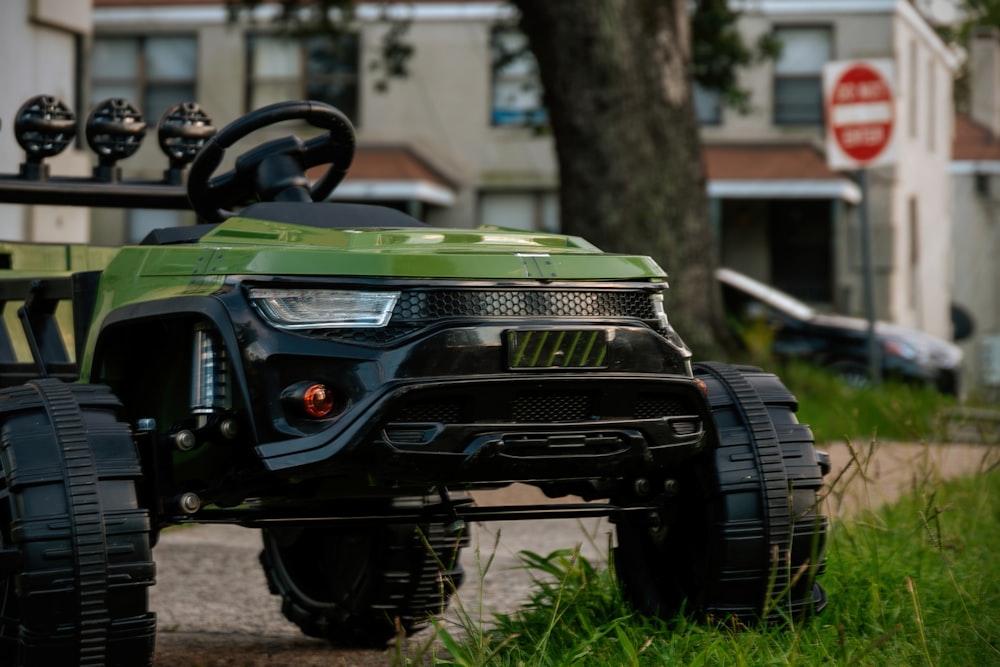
617, 88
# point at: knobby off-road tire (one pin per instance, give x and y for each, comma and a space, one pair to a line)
352, 585
77, 565
744, 537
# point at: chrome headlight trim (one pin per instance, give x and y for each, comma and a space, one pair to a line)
311, 308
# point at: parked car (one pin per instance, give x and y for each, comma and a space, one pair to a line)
838, 342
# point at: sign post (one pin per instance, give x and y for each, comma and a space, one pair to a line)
860, 118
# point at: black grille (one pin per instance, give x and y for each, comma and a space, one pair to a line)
374, 336
654, 407
443, 411
544, 408
541, 407
435, 304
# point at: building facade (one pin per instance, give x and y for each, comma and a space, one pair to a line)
975, 185
462, 140
805, 238
42, 47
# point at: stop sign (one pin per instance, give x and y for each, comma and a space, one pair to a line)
860, 113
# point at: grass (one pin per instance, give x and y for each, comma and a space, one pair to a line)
892, 411
914, 583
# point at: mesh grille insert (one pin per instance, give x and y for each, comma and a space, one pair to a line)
544, 408
434, 304
653, 407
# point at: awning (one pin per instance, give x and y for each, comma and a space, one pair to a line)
774, 171
975, 148
392, 173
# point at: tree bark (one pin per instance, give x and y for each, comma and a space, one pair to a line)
616, 75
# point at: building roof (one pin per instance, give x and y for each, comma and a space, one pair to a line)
393, 172
766, 161
975, 149
751, 171
974, 141
774, 171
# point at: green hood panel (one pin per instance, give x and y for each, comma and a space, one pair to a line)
248, 246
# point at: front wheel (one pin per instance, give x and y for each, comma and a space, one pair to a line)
76, 563
361, 586
740, 534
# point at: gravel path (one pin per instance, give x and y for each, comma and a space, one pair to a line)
214, 608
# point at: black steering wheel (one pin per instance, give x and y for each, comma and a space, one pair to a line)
275, 170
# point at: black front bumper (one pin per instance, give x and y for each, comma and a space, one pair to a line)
463, 430
468, 394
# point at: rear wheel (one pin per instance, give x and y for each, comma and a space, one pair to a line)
360, 586
741, 534
76, 563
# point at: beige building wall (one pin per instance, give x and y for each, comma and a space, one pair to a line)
975, 178
38, 49
443, 110
921, 281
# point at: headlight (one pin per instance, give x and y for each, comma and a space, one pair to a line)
899, 348
322, 308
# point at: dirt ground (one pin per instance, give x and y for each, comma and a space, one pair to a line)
214, 609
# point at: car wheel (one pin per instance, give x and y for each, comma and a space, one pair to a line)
741, 534
76, 560
361, 586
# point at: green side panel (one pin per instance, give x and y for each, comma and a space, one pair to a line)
41, 259
152, 273
91, 258
35, 258
124, 282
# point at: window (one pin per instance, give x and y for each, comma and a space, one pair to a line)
798, 75
913, 214
707, 104
913, 89
517, 89
154, 73
932, 100
322, 68
800, 233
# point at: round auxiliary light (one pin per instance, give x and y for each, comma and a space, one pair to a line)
317, 400
182, 131
115, 129
44, 127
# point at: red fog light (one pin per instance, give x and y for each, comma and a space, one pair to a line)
312, 399
317, 399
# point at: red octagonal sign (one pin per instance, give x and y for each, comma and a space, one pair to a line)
860, 114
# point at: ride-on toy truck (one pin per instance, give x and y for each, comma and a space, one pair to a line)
341, 377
